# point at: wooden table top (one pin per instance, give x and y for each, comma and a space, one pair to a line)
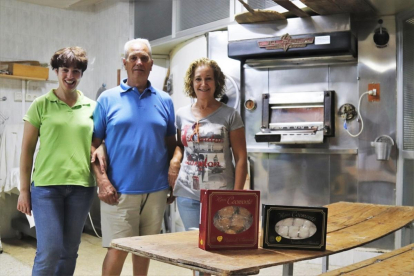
350, 225
396, 262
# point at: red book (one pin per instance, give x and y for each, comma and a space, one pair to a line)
229, 219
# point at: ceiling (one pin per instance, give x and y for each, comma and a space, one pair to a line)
391, 7
379, 7
63, 4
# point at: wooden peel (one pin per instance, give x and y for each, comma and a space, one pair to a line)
255, 16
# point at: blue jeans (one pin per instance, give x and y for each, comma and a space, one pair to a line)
189, 212
60, 213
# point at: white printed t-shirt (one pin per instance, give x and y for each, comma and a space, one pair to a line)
207, 161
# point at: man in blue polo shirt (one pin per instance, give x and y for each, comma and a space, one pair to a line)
137, 123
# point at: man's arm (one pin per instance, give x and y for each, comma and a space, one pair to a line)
106, 191
171, 143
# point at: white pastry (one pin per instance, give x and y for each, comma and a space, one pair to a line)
283, 231
308, 223
304, 232
298, 222
287, 222
293, 232
312, 230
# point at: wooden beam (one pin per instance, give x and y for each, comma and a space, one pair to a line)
354, 6
322, 7
325, 7
291, 7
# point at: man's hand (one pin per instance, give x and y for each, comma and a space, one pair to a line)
100, 154
107, 192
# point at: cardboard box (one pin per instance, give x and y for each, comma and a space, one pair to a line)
22, 70
229, 219
294, 227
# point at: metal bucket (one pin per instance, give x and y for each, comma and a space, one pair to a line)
383, 145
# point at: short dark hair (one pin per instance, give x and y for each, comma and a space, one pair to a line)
70, 56
219, 78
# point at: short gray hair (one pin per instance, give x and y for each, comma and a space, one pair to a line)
136, 41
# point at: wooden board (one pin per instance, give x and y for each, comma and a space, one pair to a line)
291, 7
350, 225
20, 77
258, 16
22, 70
355, 6
397, 262
324, 7
29, 62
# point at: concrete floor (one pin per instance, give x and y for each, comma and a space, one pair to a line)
18, 255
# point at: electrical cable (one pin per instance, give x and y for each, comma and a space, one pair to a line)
93, 227
370, 92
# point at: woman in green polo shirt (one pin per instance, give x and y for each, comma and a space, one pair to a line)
62, 186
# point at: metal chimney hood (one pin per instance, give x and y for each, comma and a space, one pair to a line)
295, 41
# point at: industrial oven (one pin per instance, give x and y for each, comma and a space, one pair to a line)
295, 77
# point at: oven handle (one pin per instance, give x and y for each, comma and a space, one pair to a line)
292, 130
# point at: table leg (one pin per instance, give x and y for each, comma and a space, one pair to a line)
325, 264
288, 269
1, 247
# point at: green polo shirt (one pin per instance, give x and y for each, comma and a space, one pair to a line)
65, 135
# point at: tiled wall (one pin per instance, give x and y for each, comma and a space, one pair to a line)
34, 32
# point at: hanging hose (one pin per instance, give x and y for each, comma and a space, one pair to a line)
93, 227
370, 92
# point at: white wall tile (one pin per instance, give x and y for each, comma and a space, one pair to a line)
33, 32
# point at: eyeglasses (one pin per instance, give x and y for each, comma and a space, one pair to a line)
196, 131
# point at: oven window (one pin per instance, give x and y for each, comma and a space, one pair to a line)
296, 114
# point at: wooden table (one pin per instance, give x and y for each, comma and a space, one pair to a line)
350, 225
396, 262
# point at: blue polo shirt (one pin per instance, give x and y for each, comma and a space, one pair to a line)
134, 127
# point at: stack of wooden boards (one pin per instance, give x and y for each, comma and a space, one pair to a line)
313, 7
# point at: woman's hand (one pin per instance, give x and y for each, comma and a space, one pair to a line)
100, 154
171, 197
23, 203
173, 173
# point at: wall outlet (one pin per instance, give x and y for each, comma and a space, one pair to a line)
376, 98
18, 96
30, 97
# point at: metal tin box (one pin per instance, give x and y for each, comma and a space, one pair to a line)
229, 219
294, 227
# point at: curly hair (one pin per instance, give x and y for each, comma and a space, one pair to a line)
70, 56
219, 77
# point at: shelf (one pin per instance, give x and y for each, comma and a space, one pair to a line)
21, 78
